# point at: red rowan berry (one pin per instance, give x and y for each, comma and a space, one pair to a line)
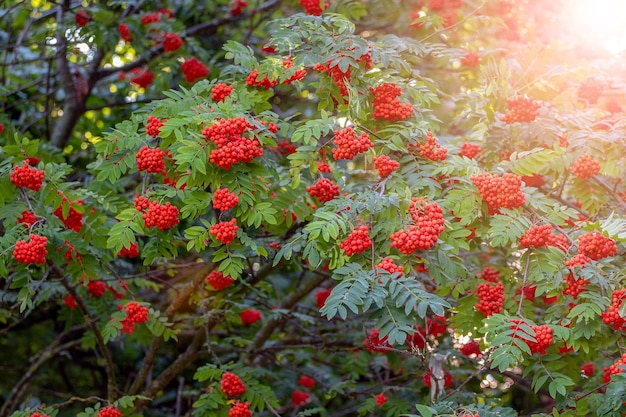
499, 192
150, 18
38, 415
194, 69
306, 382
323, 167
470, 59
240, 409
151, 160
469, 150
324, 190
535, 180
161, 216
125, 33
578, 260
491, 298
82, 18
297, 76
612, 316
224, 199
142, 77
348, 145
521, 109
220, 92
172, 42
381, 399
218, 280
136, 313
313, 7
375, 344
386, 104
447, 380
385, 165
470, 348
264, 82
390, 266
224, 232
70, 302
232, 385
321, 296
109, 412
357, 241
490, 275
574, 286
27, 218
585, 167
27, 177
250, 316
596, 246
537, 236
432, 149
543, 336
615, 368
153, 126
131, 252
141, 203
96, 288
74, 219
588, 369
32, 252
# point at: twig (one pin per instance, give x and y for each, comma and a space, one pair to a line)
456, 24
519, 307
179, 395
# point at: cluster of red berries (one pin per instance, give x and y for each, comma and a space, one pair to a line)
423, 236
141, 203
348, 145
82, 18
151, 160
338, 76
616, 368
321, 296
543, 336
537, 236
469, 150
499, 192
491, 298
305, 381
574, 286
387, 105
220, 91
27, 177
224, 232
232, 385
535, 180
590, 91
232, 147
153, 126
585, 167
74, 218
470, 59
375, 344
596, 246
470, 348
131, 252
250, 316
299, 398
109, 412
297, 75
520, 109
313, 7
264, 82
218, 281
385, 165
142, 77
125, 32
135, 314
577, 260
32, 252
96, 288
357, 241
240, 409
447, 380
237, 6
490, 275
223, 131
380, 399
285, 147
27, 218
390, 266
588, 369
162, 216
324, 189
612, 317
171, 42
194, 69
431, 149
224, 200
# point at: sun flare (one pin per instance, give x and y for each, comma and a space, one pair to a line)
600, 21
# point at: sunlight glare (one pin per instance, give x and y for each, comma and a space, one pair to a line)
601, 21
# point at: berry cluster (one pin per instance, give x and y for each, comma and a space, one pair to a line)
96, 288
240, 409
520, 109
431, 149
70, 302
141, 203
162, 216
491, 298
153, 126
32, 252
375, 344
470, 348
338, 76
232, 147
250, 316
423, 236
218, 281
490, 275
151, 160
447, 380
357, 241
109, 412
220, 92
616, 368
27, 218
409, 240
223, 131
299, 398
194, 69
385, 165
499, 192
74, 218
312, 7
348, 145
171, 42
389, 265
386, 104
224, 232
27, 177
264, 82
324, 190
131, 252
306, 382
469, 150
537, 236
224, 200
135, 314
543, 336
585, 167
588, 369
590, 91
125, 32
82, 18
285, 147
321, 296
596, 246
470, 59
236, 7
612, 317
380, 399
297, 75
577, 260
142, 77
574, 286
232, 385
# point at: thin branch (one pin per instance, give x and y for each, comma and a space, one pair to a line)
519, 306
